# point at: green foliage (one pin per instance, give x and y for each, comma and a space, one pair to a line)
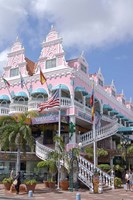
104, 167
15, 133
89, 151
102, 152
118, 168
7, 180
117, 182
30, 182
72, 127
42, 164
51, 165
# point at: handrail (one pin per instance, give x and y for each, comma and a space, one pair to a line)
101, 133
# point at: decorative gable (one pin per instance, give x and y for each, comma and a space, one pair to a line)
52, 54
16, 60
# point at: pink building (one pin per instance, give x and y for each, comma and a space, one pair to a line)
113, 113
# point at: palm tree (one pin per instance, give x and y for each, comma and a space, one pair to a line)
15, 133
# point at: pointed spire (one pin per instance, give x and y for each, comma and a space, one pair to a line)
99, 70
52, 28
112, 83
82, 54
17, 38
122, 92
130, 100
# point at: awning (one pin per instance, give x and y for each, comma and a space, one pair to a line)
21, 94
39, 91
61, 86
82, 90
125, 129
120, 115
88, 96
114, 111
4, 97
107, 107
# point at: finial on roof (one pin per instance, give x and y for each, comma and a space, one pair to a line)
130, 100
17, 39
99, 70
112, 83
52, 27
122, 92
82, 54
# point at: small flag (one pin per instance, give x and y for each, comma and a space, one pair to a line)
6, 82
22, 80
92, 96
51, 102
92, 113
42, 78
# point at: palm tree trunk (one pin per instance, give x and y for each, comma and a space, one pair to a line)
18, 160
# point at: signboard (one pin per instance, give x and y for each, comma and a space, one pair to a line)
49, 118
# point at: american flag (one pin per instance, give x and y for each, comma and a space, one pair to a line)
51, 102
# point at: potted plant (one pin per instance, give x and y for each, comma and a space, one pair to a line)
7, 183
30, 184
50, 164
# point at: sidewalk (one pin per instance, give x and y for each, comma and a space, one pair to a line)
42, 193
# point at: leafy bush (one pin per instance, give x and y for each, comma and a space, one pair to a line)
104, 167
30, 182
117, 182
7, 180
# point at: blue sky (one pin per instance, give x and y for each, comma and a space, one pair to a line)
103, 29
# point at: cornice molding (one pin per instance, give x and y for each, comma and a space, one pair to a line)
53, 42
15, 53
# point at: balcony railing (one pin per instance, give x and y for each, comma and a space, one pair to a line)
18, 107
4, 110
33, 104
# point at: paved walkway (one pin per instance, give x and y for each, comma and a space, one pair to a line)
42, 193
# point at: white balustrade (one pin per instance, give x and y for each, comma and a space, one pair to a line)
42, 151
17, 107
86, 174
4, 110
101, 133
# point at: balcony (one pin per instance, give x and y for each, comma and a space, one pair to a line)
4, 110
18, 107
34, 102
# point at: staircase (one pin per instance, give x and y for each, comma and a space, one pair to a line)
86, 168
86, 172
100, 134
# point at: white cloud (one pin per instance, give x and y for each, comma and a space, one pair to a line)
13, 15
87, 23
3, 59
82, 23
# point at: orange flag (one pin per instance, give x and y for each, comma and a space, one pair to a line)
42, 77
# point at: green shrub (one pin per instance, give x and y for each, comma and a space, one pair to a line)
30, 182
7, 180
117, 182
104, 167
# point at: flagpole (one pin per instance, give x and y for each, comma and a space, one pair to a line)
9, 91
59, 134
7, 87
49, 91
23, 83
94, 143
94, 131
59, 124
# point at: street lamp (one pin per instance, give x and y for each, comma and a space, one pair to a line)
125, 142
